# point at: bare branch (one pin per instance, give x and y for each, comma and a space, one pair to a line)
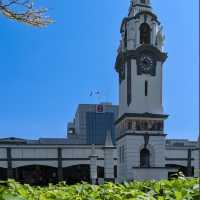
24, 11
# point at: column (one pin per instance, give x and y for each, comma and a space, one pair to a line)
109, 159
137, 22
189, 163
93, 166
60, 169
153, 35
196, 162
9, 163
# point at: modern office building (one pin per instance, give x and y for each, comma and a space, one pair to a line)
91, 123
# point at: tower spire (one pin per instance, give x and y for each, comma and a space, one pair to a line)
137, 6
141, 2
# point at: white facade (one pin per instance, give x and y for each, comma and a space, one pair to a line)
140, 128
130, 164
130, 31
26, 155
126, 157
141, 103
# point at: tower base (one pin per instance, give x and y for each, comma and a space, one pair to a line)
153, 173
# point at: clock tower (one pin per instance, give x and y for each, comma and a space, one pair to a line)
140, 126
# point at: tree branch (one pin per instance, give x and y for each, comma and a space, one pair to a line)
24, 11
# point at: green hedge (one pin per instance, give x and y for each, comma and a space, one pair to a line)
180, 189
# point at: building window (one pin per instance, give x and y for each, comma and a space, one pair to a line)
179, 144
71, 131
145, 34
143, 1
122, 153
125, 36
138, 127
125, 39
159, 126
129, 125
146, 88
115, 171
144, 158
145, 126
129, 87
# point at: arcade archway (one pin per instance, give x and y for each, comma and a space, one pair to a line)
36, 174
76, 174
145, 34
3, 173
179, 168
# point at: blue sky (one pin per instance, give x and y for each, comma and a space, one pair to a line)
46, 73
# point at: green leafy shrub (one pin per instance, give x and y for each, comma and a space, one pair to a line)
175, 189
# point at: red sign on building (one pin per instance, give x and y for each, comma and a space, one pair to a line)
99, 109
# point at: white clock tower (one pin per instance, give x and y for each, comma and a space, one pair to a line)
140, 126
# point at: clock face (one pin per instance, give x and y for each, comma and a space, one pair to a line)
146, 63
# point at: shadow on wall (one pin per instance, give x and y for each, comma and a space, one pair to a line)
3, 173
77, 173
40, 175
179, 168
36, 174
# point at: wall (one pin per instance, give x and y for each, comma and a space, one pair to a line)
132, 146
47, 155
141, 103
150, 174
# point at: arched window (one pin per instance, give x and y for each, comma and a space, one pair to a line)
145, 34
144, 158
